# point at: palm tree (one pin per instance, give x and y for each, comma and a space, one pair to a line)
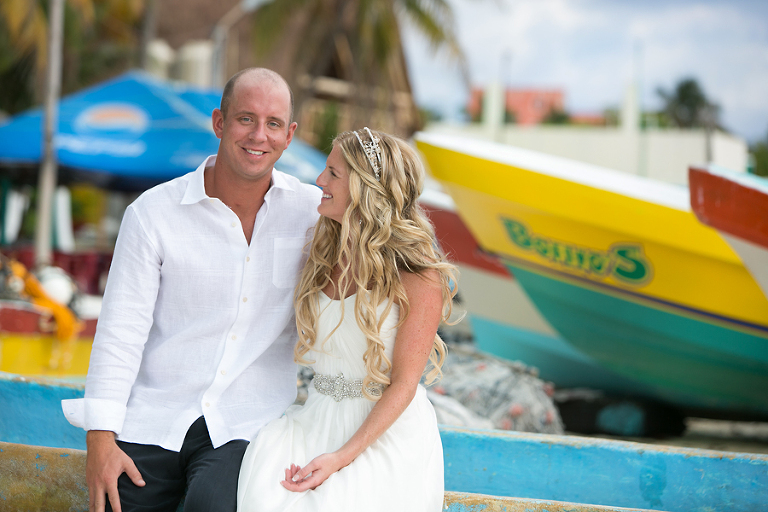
24, 47
370, 27
688, 107
97, 34
355, 41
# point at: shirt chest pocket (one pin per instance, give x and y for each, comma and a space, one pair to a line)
288, 261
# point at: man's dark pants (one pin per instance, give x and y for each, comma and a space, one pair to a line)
209, 476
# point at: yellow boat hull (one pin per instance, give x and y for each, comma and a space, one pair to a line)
29, 347
620, 266
44, 355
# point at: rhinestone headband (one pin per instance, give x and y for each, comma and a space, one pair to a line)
372, 151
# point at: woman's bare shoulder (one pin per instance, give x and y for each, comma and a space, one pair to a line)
420, 283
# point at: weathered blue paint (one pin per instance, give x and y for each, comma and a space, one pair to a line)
536, 466
61, 488
603, 472
465, 502
31, 412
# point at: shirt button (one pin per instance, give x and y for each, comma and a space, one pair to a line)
223, 372
207, 404
245, 299
234, 337
247, 258
233, 224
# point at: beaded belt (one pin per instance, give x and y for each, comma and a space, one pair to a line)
340, 388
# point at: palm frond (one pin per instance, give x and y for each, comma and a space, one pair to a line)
22, 20
85, 9
434, 19
271, 19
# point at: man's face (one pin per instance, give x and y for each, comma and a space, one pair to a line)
256, 130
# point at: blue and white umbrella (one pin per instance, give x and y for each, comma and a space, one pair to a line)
132, 132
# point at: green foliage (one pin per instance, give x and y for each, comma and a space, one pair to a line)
29, 221
612, 116
760, 154
655, 120
16, 85
89, 204
368, 29
327, 126
510, 117
687, 106
99, 41
428, 115
556, 116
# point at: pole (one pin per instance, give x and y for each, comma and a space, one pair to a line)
709, 128
221, 33
148, 30
48, 169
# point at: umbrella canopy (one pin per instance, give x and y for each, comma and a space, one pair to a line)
133, 132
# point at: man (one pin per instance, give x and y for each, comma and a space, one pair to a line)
193, 353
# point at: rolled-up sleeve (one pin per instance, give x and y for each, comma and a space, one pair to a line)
123, 327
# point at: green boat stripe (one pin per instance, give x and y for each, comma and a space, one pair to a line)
680, 309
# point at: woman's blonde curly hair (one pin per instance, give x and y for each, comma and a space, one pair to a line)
385, 232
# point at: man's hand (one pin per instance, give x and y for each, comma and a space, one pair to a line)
313, 474
105, 462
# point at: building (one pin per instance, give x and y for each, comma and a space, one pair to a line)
521, 106
659, 153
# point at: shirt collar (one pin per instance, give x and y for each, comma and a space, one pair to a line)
279, 180
196, 185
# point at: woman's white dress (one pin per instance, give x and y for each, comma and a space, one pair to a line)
402, 470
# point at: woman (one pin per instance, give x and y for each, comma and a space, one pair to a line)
368, 305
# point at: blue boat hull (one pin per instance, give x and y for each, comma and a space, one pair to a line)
53, 480
555, 358
603, 472
31, 412
700, 365
498, 463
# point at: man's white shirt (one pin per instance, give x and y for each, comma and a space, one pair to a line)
196, 321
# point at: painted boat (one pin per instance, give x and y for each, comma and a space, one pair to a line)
535, 470
736, 205
29, 346
603, 472
53, 480
503, 319
621, 268
32, 412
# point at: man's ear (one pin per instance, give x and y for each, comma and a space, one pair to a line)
291, 130
217, 118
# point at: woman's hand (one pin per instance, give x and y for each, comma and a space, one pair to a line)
299, 479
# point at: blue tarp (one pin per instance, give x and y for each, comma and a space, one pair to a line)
132, 132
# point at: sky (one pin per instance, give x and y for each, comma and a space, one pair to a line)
594, 49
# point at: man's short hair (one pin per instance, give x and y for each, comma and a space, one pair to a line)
261, 74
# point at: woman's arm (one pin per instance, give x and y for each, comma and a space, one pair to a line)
413, 345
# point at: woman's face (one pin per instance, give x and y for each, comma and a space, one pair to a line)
334, 181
